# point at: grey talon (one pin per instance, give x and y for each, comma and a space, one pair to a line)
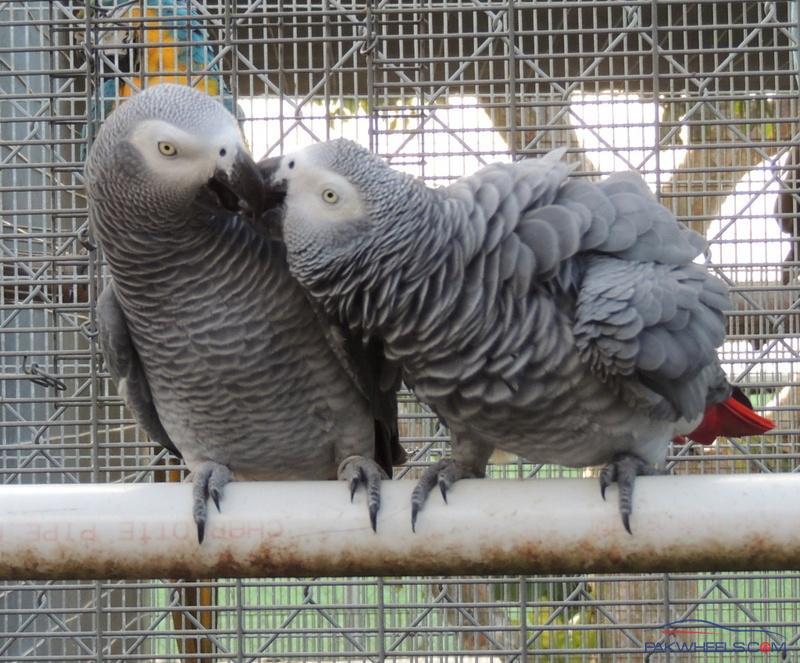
624, 468
359, 470
201, 531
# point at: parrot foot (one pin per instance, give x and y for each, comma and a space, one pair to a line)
359, 470
208, 480
443, 473
624, 468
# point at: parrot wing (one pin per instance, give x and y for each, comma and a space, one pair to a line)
126, 368
652, 330
538, 220
647, 319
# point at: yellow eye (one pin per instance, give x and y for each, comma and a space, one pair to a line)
167, 149
330, 196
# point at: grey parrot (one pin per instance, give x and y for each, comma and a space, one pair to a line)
544, 315
215, 348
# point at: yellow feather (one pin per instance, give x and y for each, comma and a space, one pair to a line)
163, 59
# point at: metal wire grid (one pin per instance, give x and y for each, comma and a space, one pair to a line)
699, 96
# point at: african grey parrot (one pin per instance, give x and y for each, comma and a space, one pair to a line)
557, 319
215, 348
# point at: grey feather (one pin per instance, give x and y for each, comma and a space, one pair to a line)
542, 239
525, 269
126, 368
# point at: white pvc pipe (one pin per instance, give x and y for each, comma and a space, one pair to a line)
685, 523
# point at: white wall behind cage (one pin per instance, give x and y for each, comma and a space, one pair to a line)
701, 97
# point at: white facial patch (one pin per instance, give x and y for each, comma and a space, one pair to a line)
316, 195
183, 159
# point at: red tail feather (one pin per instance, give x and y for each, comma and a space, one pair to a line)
732, 418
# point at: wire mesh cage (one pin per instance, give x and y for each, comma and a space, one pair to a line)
700, 97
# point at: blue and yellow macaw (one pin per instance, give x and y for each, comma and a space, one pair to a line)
162, 44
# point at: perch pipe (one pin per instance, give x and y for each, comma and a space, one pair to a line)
681, 523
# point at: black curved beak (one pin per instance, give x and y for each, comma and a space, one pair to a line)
274, 191
240, 187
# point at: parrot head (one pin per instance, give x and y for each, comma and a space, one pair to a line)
170, 152
337, 205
